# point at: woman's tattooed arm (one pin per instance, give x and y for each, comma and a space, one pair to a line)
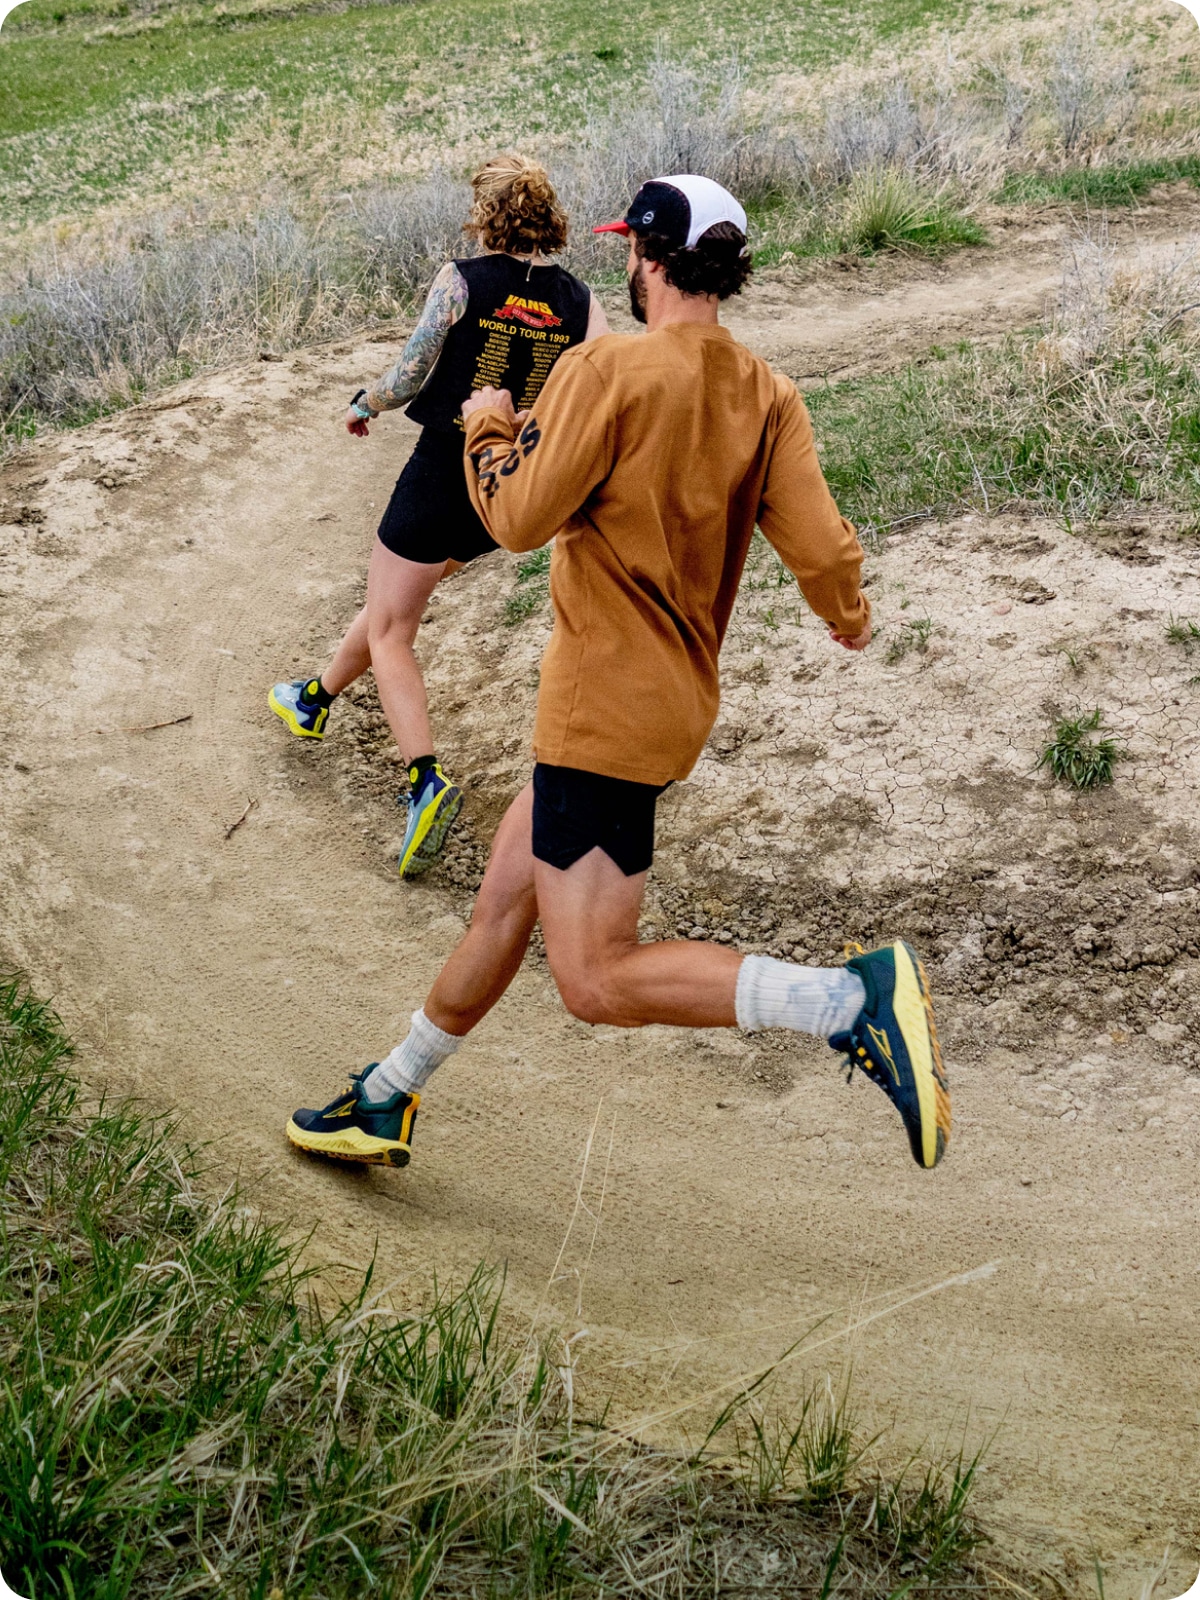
446, 303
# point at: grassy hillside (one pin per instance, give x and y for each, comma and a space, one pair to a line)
124, 92
184, 185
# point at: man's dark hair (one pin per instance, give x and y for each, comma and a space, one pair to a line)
714, 265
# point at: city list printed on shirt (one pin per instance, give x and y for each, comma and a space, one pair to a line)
518, 318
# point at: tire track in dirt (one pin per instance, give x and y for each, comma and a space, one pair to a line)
236, 978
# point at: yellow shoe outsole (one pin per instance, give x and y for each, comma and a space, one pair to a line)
289, 716
425, 846
913, 1008
351, 1144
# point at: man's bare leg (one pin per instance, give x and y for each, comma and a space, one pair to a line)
481, 967
590, 921
589, 915
490, 954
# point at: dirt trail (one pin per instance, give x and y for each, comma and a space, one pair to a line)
172, 562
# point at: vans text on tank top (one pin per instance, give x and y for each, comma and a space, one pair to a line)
518, 321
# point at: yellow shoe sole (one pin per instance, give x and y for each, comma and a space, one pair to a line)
425, 846
289, 716
913, 1007
351, 1144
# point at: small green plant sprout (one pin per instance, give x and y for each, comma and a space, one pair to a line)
913, 635
1079, 656
1075, 756
1183, 631
533, 585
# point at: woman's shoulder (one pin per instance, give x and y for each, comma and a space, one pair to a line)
572, 278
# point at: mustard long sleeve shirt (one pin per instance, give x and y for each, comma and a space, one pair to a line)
652, 457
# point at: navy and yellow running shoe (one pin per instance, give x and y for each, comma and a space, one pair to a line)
433, 804
353, 1129
894, 1041
299, 706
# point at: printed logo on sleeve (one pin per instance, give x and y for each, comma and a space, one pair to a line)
533, 313
488, 475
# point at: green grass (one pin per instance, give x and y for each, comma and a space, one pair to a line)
128, 96
888, 210
1074, 756
185, 1407
1184, 632
1115, 185
532, 587
913, 636
880, 210
988, 427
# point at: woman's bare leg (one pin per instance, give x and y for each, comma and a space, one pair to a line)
353, 654
351, 658
397, 594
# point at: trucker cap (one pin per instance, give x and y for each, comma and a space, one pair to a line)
680, 208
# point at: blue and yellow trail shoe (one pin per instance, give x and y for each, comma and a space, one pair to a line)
433, 804
894, 1041
352, 1129
299, 706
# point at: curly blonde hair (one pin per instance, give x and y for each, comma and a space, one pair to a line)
516, 210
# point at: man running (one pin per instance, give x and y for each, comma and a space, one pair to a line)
652, 458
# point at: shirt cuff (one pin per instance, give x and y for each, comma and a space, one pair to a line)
488, 425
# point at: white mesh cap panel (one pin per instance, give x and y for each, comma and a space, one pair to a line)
708, 202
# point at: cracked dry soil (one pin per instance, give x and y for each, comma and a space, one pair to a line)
177, 560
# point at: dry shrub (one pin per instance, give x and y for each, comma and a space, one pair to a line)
178, 293
688, 118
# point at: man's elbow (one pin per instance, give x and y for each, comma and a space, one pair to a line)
510, 532
519, 538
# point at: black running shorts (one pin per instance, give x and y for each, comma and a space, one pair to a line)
574, 812
430, 517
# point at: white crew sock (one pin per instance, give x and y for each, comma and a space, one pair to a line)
776, 994
411, 1065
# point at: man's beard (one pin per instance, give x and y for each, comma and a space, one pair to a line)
637, 293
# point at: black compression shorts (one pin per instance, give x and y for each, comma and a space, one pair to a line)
574, 812
430, 517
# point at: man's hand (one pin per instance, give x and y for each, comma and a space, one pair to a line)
858, 643
490, 399
355, 424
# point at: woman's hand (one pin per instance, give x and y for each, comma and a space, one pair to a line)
355, 424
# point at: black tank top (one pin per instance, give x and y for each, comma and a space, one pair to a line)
517, 323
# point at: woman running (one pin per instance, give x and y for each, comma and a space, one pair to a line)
501, 318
